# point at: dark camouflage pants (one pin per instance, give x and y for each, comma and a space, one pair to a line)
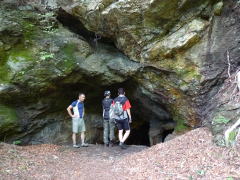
108, 131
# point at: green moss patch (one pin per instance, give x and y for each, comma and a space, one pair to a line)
180, 126
68, 57
4, 73
20, 54
8, 118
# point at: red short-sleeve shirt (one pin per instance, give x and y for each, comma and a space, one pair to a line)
126, 105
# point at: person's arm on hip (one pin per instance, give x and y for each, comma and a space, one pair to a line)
69, 110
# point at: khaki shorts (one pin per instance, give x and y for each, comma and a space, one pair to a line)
78, 125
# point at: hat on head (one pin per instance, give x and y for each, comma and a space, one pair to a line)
107, 93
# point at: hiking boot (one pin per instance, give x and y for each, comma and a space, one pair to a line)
122, 145
110, 145
76, 146
84, 145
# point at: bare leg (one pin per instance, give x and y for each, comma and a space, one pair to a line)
125, 136
120, 135
82, 137
74, 138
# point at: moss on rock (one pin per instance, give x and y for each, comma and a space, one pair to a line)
8, 119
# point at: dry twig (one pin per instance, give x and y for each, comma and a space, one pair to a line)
229, 65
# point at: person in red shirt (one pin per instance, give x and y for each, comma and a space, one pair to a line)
124, 119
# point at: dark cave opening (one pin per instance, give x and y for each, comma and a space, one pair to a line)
166, 133
141, 109
139, 132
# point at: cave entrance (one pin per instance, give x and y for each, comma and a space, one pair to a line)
151, 121
149, 117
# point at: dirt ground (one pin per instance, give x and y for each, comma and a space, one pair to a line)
190, 156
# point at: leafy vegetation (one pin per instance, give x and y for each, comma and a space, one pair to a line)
46, 55
220, 120
232, 136
201, 172
17, 142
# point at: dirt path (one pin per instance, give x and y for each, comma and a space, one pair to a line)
190, 156
60, 162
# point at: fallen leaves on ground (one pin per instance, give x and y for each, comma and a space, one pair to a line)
190, 156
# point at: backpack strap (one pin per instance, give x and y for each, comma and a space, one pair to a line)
122, 100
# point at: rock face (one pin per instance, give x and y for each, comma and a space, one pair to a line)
161, 35
170, 57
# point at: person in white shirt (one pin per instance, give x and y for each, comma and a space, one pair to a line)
78, 124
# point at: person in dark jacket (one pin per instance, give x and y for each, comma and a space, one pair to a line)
108, 123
